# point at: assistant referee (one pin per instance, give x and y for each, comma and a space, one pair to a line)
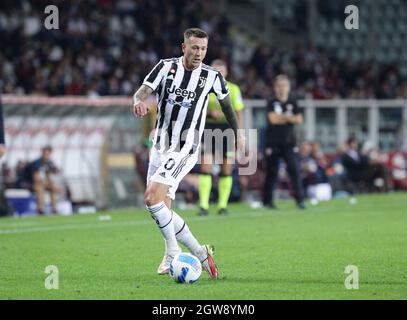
218, 153
282, 115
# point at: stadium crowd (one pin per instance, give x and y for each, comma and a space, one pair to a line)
103, 47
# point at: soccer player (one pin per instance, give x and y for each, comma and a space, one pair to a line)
182, 86
216, 120
282, 115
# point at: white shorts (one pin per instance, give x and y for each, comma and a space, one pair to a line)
170, 168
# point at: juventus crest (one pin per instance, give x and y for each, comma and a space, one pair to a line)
202, 81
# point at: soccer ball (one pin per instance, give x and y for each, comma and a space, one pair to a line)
185, 268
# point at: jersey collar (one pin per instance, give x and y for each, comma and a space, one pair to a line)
181, 60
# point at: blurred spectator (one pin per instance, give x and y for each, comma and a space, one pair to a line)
2, 140
3, 204
305, 164
356, 166
313, 171
103, 46
321, 162
20, 175
38, 176
376, 176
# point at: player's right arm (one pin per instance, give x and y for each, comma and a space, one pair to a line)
140, 108
150, 84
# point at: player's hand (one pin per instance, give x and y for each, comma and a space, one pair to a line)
140, 109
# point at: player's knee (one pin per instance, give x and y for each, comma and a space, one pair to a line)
206, 168
151, 197
226, 169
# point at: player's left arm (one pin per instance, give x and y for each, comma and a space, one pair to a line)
221, 89
239, 115
238, 104
232, 119
229, 113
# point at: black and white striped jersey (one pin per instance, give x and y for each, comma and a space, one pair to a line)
182, 97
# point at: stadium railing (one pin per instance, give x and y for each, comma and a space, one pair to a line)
381, 122
85, 134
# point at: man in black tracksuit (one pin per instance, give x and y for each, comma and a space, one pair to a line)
2, 140
282, 115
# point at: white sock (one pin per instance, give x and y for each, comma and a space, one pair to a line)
163, 217
185, 236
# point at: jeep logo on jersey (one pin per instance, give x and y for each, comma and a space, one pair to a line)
184, 104
182, 92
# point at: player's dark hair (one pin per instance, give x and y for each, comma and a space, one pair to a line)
195, 32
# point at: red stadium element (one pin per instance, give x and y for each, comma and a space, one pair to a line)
66, 101
397, 165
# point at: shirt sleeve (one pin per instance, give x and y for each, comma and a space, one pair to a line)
220, 87
155, 76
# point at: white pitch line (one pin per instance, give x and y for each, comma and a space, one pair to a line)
74, 227
109, 224
19, 225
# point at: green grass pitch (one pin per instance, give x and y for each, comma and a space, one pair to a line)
261, 254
